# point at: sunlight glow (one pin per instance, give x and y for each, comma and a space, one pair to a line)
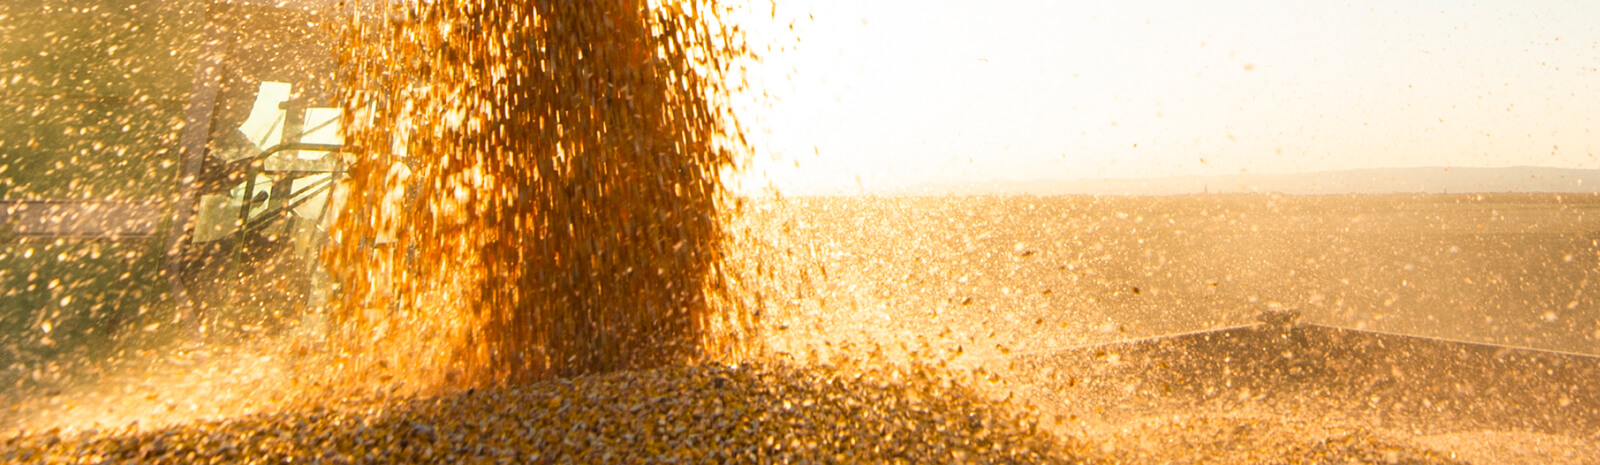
882, 96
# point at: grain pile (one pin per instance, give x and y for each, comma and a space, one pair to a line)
1244, 438
751, 413
677, 414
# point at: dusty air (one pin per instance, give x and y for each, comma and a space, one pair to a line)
706, 231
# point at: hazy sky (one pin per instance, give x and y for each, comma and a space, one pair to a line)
889, 92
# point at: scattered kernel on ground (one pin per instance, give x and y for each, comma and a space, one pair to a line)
1267, 439
745, 414
753, 413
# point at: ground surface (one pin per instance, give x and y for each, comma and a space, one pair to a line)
749, 414
983, 281
978, 283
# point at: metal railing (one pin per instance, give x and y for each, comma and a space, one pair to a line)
248, 201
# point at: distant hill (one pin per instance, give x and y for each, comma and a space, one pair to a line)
1433, 180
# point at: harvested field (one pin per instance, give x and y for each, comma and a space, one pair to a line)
897, 301
893, 294
1037, 274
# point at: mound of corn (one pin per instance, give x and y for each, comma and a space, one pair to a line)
677, 414
707, 414
1243, 438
